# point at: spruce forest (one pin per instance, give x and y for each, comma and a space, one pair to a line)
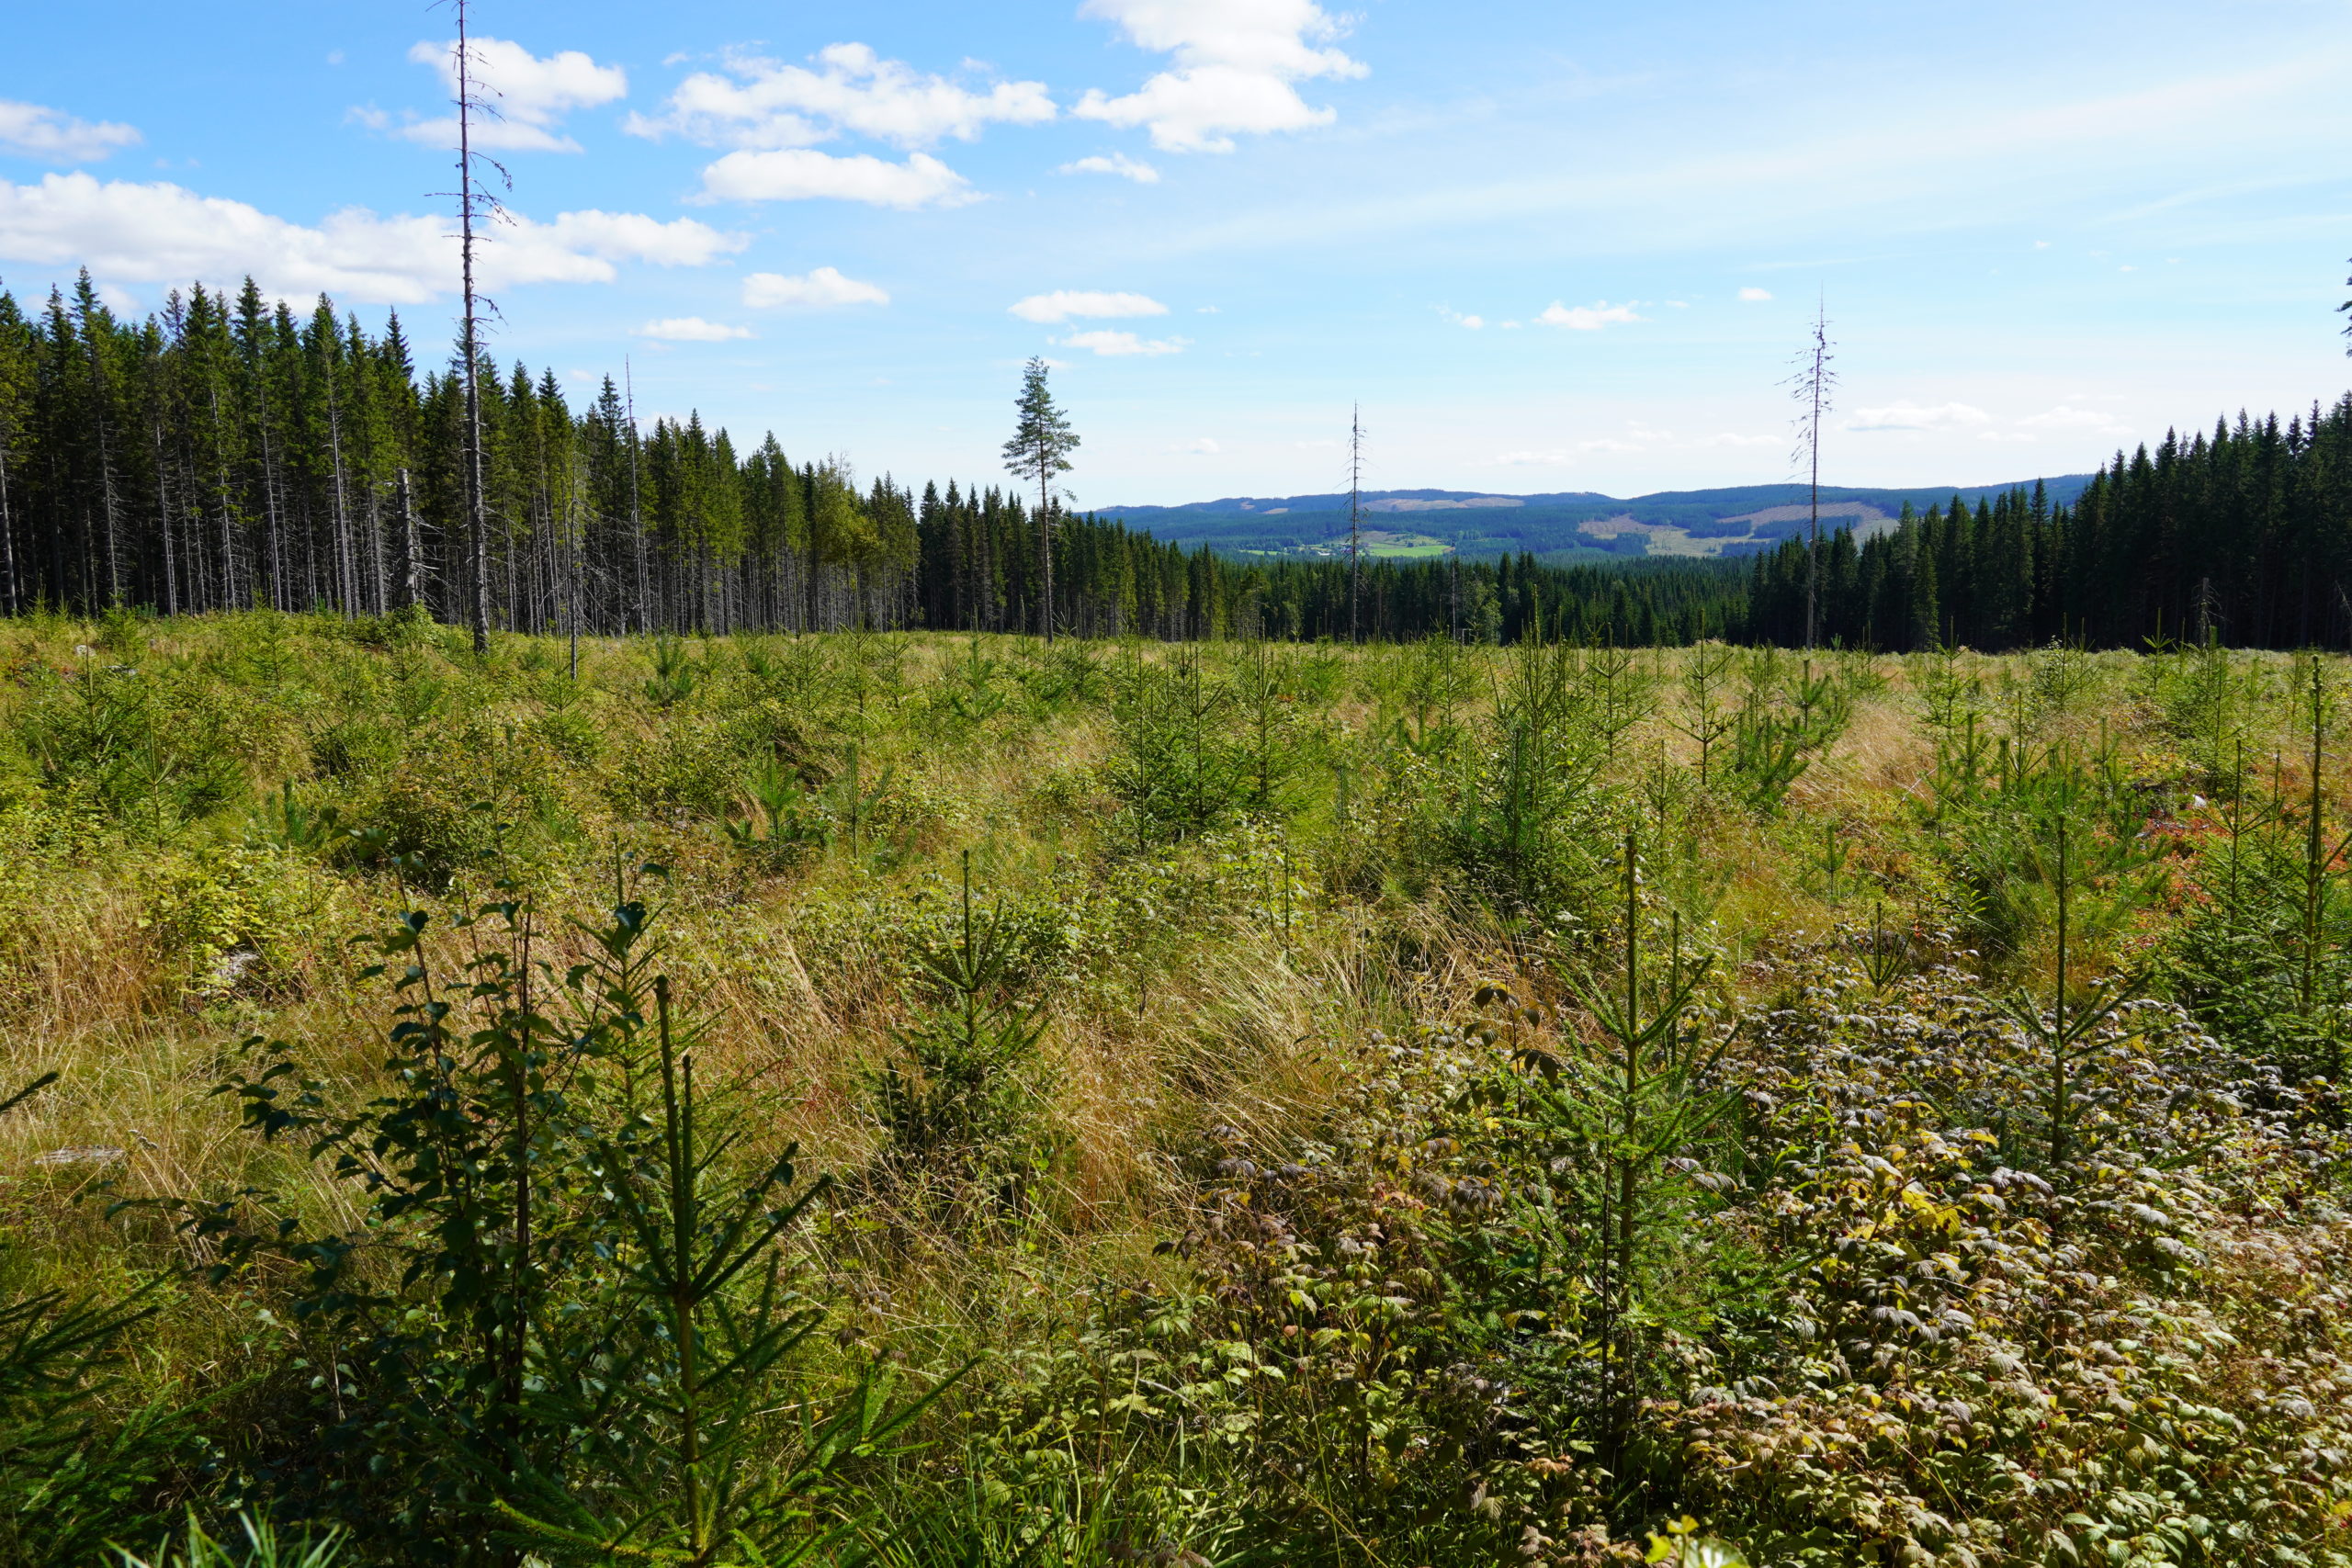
227, 454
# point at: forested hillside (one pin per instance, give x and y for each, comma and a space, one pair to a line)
1734, 520
228, 453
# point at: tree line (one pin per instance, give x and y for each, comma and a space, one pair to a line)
2244, 534
227, 452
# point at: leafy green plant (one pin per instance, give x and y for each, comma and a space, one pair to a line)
1512, 829
473, 1176
674, 675
1619, 693
1615, 1130
2261, 955
959, 1095
1783, 724
1704, 716
791, 823
262, 1546
1178, 769
133, 742
73, 1478
678, 1459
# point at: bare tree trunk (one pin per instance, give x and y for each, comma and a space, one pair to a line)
1046, 533
412, 567
106, 477
163, 525
380, 598
1355, 525
8, 588
269, 514
228, 535
477, 518
347, 566
636, 522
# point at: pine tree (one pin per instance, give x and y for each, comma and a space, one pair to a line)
1039, 450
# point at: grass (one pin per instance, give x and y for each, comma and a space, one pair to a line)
1284, 1231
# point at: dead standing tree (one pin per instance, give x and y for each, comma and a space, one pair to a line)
1814, 386
476, 206
1355, 523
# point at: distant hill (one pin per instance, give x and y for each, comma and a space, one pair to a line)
1560, 525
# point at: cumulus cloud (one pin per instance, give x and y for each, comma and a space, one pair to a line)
1205, 447
165, 233
1117, 163
1235, 63
691, 328
1755, 296
803, 175
759, 104
530, 92
1585, 318
1113, 344
1903, 415
821, 289
30, 130
1064, 303
1458, 318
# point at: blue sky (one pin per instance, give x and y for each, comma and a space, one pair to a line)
1546, 247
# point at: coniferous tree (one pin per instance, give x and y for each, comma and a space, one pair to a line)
1039, 451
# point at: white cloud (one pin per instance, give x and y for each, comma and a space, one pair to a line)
1205, 447
30, 130
762, 104
1115, 345
801, 174
1064, 303
1532, 459
2066, 417
691, 328
1754, 296
1585, 318
166, 234
530, 94
1458, 318
619, 236
1117, 163
1904, 415
819, 288
1234, 62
